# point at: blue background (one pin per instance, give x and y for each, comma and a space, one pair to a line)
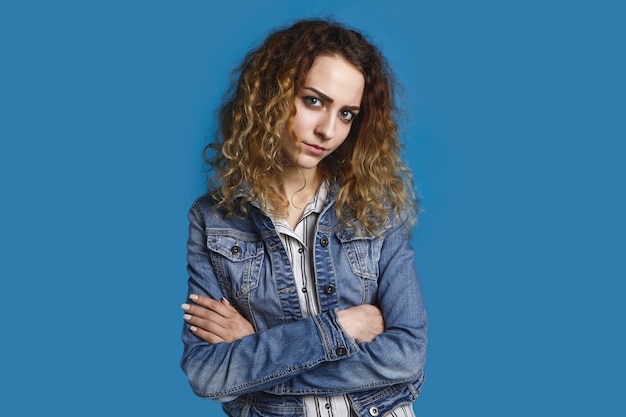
516, 137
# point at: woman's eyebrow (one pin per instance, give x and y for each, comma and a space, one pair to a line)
319, 93
328, 99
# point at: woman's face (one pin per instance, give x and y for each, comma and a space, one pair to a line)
326, 105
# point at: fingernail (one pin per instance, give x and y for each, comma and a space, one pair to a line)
193, 297
185, 306
186, 316
193, 328
225, 300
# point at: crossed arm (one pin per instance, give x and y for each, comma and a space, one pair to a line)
217, 321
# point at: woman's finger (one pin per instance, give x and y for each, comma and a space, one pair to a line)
206, 336
202, 316
214, 305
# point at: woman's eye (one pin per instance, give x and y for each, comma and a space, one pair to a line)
347, 115
312, 101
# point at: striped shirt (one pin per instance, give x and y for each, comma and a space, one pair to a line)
299, 243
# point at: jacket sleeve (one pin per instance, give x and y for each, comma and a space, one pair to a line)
395, 356
259, 361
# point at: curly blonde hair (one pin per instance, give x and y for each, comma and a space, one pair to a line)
246, 157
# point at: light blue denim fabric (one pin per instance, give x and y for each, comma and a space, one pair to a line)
267, 373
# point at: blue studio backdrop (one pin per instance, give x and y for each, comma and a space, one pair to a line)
515, 133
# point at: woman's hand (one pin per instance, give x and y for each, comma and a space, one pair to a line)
363, 322
215, 321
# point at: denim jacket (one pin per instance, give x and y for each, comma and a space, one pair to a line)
288, 356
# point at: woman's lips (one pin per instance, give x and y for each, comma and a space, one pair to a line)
317, 150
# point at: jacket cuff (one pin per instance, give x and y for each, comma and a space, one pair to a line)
337, 343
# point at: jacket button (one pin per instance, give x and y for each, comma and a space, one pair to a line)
324, 241
341, 351
329, 289
374, 411
235, 250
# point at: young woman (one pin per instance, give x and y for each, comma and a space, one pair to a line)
304, 299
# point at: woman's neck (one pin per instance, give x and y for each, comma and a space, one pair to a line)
298, 188
299, 181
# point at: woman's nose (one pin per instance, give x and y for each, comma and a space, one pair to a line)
326, 126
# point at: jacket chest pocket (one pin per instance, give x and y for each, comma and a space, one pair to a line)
237, 263
363, 254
